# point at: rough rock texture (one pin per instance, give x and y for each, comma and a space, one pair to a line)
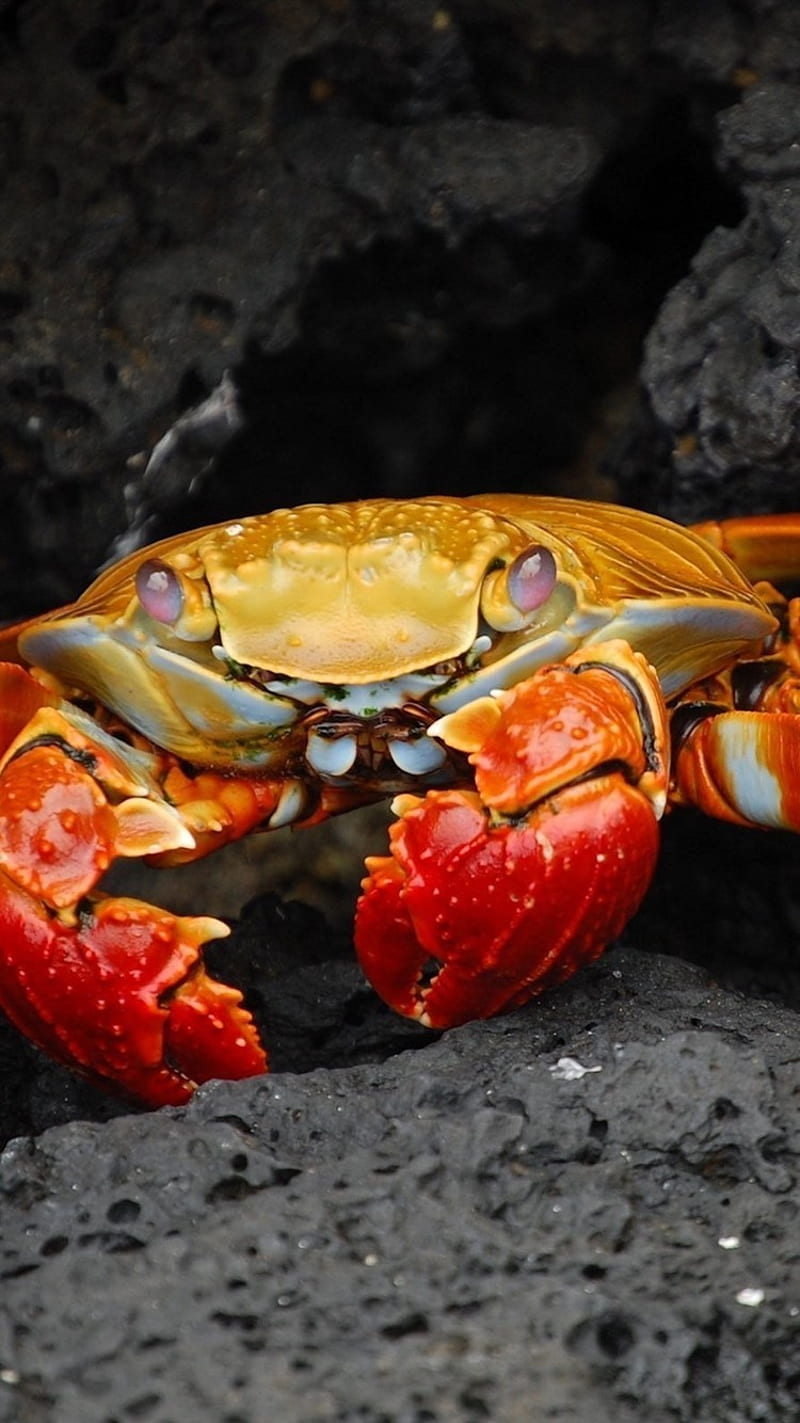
431, 243
721, 362
584, 1211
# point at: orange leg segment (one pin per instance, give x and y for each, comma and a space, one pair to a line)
743, 767
763, 546
737, 764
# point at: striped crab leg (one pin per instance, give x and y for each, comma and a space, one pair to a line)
737, 738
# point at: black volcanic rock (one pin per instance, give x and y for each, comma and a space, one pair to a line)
590, 1204
721, 362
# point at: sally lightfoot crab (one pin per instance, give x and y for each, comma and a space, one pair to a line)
532, 679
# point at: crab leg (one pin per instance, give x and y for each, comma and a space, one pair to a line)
112, 986
741, 766
737, 755
763, 546
489, 896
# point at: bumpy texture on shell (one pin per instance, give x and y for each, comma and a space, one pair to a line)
366, 591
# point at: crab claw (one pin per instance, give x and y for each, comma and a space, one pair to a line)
489, 896
113, 987
122, 996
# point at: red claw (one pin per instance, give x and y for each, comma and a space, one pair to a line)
123, 997
502, 911
113, 987
478, 909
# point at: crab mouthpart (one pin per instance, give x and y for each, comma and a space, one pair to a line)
373, 750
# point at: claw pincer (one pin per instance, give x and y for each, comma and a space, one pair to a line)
491, 895
113, 986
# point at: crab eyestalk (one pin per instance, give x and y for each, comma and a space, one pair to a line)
490, 896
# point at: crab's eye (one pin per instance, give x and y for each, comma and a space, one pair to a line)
531, 578
513, 594
178, 600
159, 590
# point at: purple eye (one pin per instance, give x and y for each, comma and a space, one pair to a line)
159, 591
531, 578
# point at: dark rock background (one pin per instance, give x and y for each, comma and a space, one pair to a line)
440, 248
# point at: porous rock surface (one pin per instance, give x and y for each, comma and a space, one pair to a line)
722, 360
584, 1211
493, 244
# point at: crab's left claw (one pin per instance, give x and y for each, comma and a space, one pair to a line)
489, 896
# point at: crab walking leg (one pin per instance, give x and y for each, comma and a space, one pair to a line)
489, 896
743, 767
112, 986
763, 546
766, 547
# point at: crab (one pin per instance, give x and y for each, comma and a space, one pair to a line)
532, 679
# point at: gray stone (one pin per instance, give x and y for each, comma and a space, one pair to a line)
449, 1235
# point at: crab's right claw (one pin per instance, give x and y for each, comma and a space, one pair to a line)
122, 996
113, 987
